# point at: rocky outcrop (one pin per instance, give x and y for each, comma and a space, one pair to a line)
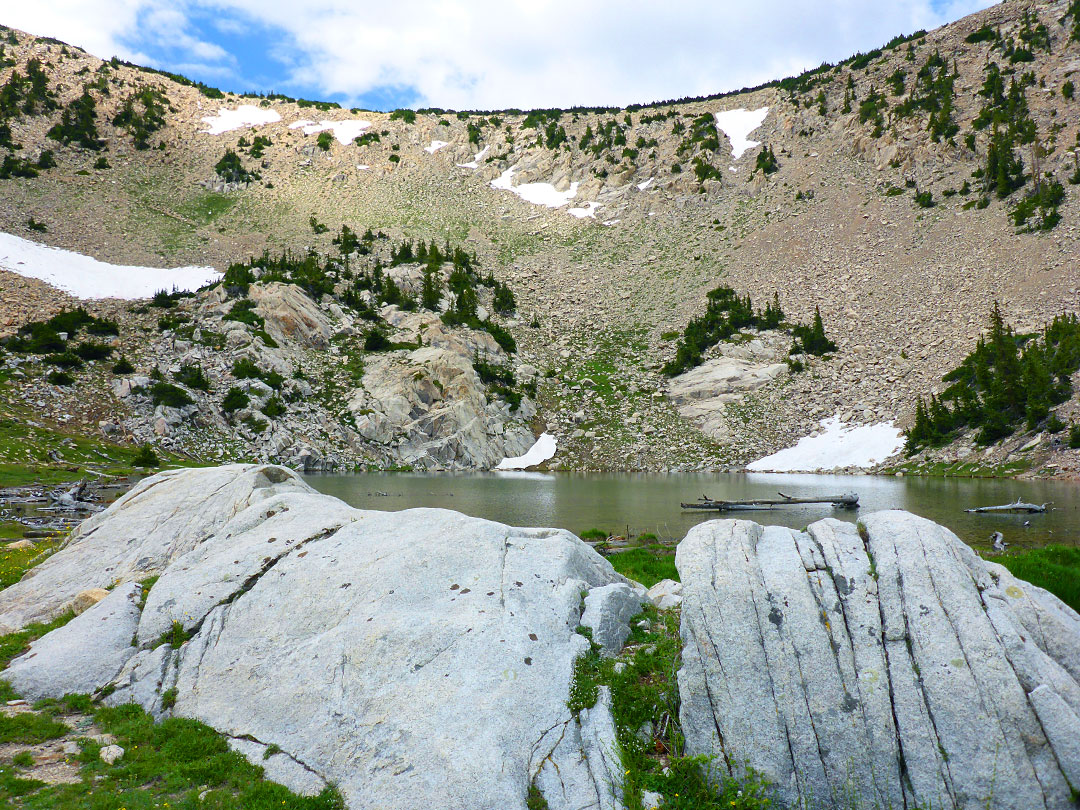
291, 315
886, 666
414, 659
160, 519
430, 404
702, 394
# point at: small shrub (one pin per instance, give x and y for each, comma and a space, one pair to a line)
1074, 436
924, 199
324, 140
274, 408
93, 351
234, 400
192, 376
102, 163
33, 225
169, 395
60, 378
146, 457
168, 698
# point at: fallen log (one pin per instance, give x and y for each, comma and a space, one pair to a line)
1017, 507
848, 500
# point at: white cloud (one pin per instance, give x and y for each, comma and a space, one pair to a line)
522, 53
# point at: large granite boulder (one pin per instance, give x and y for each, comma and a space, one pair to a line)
414, 659
431, 407
160, 519
885, 666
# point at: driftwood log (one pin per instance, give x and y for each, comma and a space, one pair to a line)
847, 500
1017, 507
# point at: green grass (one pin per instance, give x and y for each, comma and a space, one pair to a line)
30, 728
646, 565
646, 692
207, 207
164, 765
1055, 568
16, 562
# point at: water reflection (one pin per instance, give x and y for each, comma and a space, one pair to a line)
645, 502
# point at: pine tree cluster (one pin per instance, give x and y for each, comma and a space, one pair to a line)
1009, 380
725, 314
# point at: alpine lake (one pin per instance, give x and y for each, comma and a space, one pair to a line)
632, 504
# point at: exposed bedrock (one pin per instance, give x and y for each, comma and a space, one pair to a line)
884, 666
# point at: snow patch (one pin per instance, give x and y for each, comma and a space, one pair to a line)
475, 162
610, 222
362, 167
436, 146
839, 445
246, 115
541, 451
86, 277
646, 184
737, 125
587, 210
535, 193
344, 131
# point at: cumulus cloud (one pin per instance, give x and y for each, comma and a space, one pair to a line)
484, 54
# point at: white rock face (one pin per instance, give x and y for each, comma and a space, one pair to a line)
291, 315
900, 668
431, 405
84, 654
701, 394
666, 594
415, 659
137, 537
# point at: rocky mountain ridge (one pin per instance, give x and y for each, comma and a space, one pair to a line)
827, 212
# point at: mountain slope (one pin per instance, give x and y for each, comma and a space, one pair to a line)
904, 290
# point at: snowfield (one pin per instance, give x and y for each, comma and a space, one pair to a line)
435, 146
587, 210
535, 193
475, 162
86, 277
839, 445
544, 449
246, 115
737, 125
344, 131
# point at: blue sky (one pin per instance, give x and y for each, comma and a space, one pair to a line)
481, 54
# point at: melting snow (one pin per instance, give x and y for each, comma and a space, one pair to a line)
435, 146
536, 193
86, 277
646, 184
587, 210
839, 445
344, 131
362, 167
737, 125
544, 449
246, 115
475, 162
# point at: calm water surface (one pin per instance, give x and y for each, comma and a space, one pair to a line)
647, 502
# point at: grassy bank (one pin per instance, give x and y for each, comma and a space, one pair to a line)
1055, 568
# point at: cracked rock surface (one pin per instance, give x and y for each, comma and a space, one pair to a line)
413, 659
890, 667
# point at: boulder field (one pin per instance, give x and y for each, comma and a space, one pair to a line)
423, 658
